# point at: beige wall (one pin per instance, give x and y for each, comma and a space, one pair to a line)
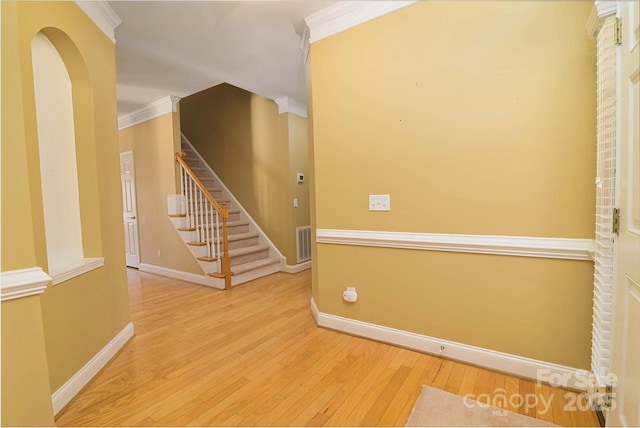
154, 144
26, 393
77, 318
477, 118
256, 152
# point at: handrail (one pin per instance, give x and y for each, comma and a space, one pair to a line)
225, 261
222, 209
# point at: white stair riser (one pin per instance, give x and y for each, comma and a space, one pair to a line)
198, 251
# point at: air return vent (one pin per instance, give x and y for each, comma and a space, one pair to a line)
303, 243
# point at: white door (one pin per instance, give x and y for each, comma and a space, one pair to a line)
130, 211
626, 340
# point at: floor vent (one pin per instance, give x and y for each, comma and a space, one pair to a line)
303, 243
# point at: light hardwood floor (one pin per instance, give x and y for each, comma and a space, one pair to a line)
253, 356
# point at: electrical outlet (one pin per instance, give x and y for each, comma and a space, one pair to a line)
158, 253
379, 203
350, 295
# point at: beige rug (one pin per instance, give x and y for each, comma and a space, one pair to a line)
435, 407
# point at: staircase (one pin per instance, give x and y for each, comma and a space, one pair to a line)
200, 225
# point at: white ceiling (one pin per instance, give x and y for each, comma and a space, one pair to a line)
179, 48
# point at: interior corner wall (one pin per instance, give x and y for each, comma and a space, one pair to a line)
246, 142
298, 163
477, 118
154, 145
80, 316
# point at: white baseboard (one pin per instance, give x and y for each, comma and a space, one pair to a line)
297, 268
181, 275
314, 311
554, 374
65, 394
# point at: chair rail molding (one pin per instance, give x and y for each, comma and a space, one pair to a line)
23, 283
523, 246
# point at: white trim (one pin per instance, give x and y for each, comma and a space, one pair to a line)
70, 389
289, 105
346, 14
64, 273
15, 284
315, 312
524, 246
252, 222
567, 377
600, 10
606, 7
297, 268
181, 275
304, 42
151, 111
102, 15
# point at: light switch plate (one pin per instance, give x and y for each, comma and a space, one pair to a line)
379, 203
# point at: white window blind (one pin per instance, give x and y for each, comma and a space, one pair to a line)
605, 200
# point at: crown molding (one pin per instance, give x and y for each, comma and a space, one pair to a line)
346, 14
289, 105
606, 7
304, 41
102, 15
600, 11
151, 111
23, 282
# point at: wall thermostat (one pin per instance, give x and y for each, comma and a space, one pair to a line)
300, 177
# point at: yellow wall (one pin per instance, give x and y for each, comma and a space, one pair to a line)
298, 162
477, 118
256, 152
154, 144
26, 394
80, 316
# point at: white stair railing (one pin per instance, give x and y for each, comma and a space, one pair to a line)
208, 219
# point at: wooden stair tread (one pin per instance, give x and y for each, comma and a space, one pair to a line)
177, 215
197, 244
186, 229
218, 275
246, 267
208, 259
